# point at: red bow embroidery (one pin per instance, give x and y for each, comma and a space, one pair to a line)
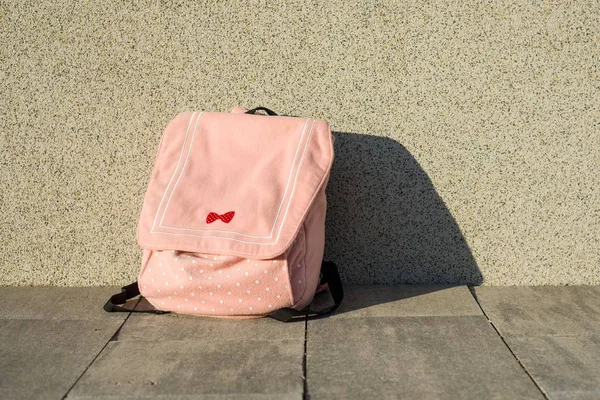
212, 217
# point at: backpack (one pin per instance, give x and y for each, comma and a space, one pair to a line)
233, 220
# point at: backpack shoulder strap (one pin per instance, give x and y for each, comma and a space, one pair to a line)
329, 276
127, 292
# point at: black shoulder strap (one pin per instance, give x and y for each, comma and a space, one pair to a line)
127, 292
329, 275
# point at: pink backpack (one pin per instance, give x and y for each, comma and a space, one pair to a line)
233, 221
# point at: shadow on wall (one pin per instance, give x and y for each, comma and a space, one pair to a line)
386, 224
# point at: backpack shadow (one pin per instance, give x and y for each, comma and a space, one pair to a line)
386, 223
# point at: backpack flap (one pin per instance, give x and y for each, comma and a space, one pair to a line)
234, 184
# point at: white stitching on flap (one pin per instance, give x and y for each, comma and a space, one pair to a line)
173, 175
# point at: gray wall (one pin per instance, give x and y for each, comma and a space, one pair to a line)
468, 133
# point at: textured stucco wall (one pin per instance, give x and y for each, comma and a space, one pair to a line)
468, 132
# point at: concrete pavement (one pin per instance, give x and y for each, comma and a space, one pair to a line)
410, 342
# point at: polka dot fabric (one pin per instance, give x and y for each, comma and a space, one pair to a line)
205, 284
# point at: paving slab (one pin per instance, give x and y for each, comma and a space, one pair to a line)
362, 301
553, 331
564, 367
68, 303
196, 369
42, 359
542, 310
148, 327
457, 357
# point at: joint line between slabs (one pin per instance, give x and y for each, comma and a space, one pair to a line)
305, 394
113, 338
472, 290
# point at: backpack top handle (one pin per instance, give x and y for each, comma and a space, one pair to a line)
265, 109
